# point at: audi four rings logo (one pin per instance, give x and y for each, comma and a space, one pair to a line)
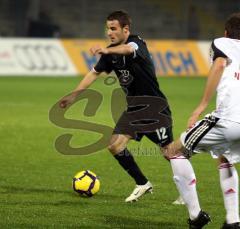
41, 57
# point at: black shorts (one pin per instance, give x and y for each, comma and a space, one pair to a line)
137, 122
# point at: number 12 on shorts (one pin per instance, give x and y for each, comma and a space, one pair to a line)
161, 133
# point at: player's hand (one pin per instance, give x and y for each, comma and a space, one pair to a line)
98, 50
67, 100
196, 114
192, 120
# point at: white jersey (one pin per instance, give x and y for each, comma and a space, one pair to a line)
228, 90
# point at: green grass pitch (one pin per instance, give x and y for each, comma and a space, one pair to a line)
35, 180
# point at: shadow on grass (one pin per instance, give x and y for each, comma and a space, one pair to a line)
26, 190
56, 197
29, 200
127, 222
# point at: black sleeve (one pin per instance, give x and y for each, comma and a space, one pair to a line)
103, 65
215, 52
141, 51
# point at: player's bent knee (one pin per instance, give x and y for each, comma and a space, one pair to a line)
112, 148
117, 144
116, 147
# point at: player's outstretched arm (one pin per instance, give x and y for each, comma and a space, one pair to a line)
214, 77
124, 49
88, 79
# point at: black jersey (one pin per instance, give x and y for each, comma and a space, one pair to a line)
137, 78
135, 72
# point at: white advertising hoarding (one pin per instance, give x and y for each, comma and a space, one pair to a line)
34, 57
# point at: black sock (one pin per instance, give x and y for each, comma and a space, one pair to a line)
127, 161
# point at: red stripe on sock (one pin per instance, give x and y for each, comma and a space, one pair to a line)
225, 166
230, 191
194, 181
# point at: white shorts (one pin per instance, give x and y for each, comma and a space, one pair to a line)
215, 136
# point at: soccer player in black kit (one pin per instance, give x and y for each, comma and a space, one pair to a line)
147, 112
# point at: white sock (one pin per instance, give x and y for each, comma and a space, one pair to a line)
229, 184
185, 179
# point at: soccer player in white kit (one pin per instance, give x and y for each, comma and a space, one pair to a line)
218, 133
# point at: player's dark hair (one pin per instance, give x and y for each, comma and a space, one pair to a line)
121, 16
232, 26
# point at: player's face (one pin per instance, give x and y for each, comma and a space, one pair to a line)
116, 33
